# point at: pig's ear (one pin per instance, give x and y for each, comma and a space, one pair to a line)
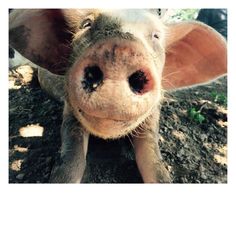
42, 36
195, 54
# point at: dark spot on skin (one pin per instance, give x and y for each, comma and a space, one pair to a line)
132, 54
19, 37
37, 57
106, 27
103, 28
106, 24
106, 54
59, 26
156, 36
50, 51
114, 52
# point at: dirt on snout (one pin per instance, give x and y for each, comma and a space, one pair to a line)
193, 136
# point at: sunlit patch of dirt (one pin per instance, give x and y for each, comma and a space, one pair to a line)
179, 135
16, 165
34, 130
20, 149
220, 159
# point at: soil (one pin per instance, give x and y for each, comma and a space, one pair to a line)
195, 150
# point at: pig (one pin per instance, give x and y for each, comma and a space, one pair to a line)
111, 68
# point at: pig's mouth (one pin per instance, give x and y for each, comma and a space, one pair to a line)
87, 116
109, 128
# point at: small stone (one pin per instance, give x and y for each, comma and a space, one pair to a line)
26, 72
203, 137
46, 176
183, 180
20, 176
203, 176
183, 129
181, 153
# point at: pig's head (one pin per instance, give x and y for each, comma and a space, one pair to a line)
115, 81
117, 62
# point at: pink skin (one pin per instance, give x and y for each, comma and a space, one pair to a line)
104, 112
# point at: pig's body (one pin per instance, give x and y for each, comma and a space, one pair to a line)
116, 65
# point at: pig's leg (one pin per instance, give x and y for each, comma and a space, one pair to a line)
148, 157
52, 84
71, 165
149, 161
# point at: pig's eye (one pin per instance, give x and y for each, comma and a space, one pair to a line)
86, 24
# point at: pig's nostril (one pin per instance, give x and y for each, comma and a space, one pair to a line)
138, 81
93, 77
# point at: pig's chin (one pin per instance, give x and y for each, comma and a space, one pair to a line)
108, 128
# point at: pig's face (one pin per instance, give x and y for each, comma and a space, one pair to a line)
115, 81
116, 61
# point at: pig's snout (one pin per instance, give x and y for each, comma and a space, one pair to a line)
113, 87
138, 81
117, 60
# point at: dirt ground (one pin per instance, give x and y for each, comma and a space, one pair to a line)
193, 144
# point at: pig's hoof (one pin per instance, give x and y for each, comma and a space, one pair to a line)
163, 176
